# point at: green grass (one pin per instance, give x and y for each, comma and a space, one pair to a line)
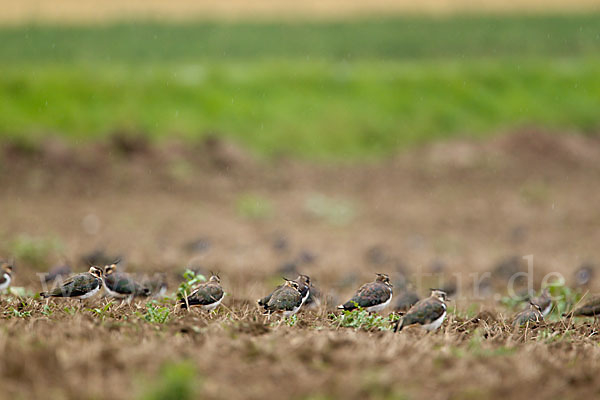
390, 38
350, 89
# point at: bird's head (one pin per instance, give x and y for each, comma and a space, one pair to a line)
6, 267
383, 278
439, 294
535, 307
214, 278
96, 272
303, 279
109, 269
292, 284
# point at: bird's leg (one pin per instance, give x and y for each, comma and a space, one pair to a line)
120, 304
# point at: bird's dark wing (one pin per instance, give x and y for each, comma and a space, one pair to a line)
284, 299
405, 301
123, 284
3, 278
526, 316
425, 312
370, 294
77, 285
589, 309
205, 295
265, 300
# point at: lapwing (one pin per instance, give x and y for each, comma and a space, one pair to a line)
207, 296
588, 308
156, 286
80, 286
531, 315
405, 300
585, 274
286, 299
59, 271
5, 275
544, 301
373, 296
120, 285
429, 313
314, 298
304, 286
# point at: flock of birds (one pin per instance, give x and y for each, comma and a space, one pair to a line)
288, 298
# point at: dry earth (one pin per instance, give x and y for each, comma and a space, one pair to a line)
433, 213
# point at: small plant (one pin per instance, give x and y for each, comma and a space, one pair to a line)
563, 297
70, 310
334, 211
35, 250
47, 311
361, 319
191, 279
156, 314
175, 382
563, 300
103, 311
291, 321
14, 312
252, 206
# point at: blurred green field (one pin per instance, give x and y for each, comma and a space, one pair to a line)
321, 89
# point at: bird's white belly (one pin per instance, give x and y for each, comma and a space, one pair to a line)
210, 307
305, 298
6, 284
161, 292
289, 313
112, 293
546, 310
88, 294
435, 324
381, 306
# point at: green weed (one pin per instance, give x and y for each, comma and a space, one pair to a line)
156, 314
102, 312
70, 310
253, 206
334, 211
191, 279
176, 381
15, 312
35, 251
564, 299
361, 319
47, 311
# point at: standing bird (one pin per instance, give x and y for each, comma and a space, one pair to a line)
304, 286
531, 315
59, 271
589, 308
429, 313
373, 296
156, 286
5, 275
208, 295
80, 286
286, 299
121, 286
544, 301
405, 300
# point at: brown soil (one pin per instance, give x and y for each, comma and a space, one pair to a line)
451, 208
